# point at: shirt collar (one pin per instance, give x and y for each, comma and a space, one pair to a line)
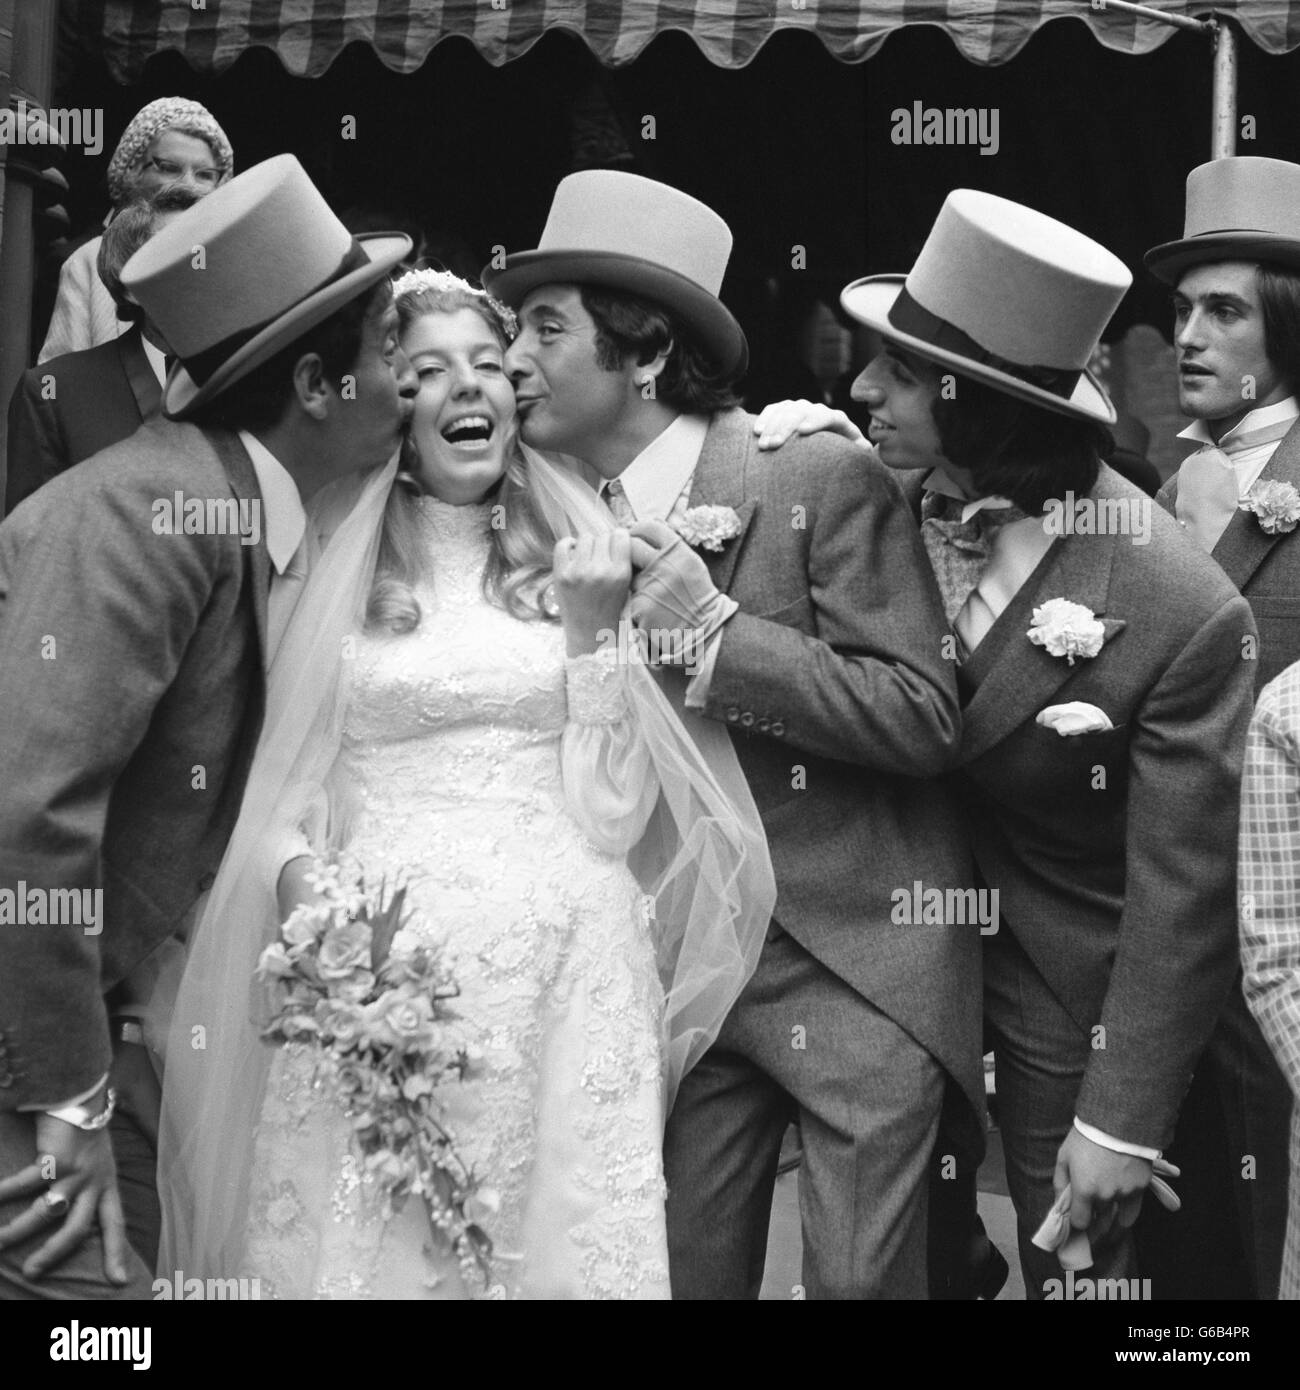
157, 359
659, 474
938, 481
1256, 419
283, 521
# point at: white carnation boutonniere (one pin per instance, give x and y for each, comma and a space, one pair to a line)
1066, 629
707, 527
1277, 505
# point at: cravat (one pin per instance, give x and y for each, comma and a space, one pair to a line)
1208, 491
959, 550
616, 500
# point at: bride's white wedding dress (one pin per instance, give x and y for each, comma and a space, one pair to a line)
505, 784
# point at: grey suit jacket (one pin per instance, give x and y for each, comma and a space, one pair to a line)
1266, 569
131, 688
843, 710
1132, 932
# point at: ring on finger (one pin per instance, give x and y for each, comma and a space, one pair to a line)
56, 1202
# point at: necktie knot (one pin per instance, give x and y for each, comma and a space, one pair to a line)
960, 550
615, 496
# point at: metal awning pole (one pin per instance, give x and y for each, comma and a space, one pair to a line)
1223, 121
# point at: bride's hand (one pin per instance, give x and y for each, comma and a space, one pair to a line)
592, 575
293, 888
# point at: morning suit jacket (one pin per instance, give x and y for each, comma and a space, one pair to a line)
833, 684
100, 396
1135, 933
131, 696
1266, 569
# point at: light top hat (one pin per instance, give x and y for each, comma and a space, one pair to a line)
1241, 208
1005, 295
275, 262
625, 232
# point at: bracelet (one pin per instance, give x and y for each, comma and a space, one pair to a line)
81, 1118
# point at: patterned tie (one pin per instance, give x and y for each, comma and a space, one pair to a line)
1208, 490
959, 550
616, 500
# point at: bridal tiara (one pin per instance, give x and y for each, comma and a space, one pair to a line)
444, 282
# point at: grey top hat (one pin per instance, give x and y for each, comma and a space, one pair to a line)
625, 232
1244, 208
275, 262
1006, 295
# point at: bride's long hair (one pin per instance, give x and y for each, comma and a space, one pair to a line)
521, 542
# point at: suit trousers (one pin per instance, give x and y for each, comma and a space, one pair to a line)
1232, 1147
81, 1275
1040, 1054
801, 1043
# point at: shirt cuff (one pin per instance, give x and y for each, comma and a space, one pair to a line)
63, 1104
697, 687
1119, 1146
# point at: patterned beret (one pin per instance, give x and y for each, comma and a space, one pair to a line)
167, 113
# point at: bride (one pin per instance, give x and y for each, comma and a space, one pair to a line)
446, 707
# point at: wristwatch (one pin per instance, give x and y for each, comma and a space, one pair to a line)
83, 1117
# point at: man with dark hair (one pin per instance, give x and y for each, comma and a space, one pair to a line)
73, 406
810, 628
1235, 275
135, 623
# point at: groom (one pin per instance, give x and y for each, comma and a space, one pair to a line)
815, 635
134, 625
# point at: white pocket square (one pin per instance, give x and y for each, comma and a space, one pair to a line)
1075, 718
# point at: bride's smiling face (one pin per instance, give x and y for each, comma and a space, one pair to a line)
465, 408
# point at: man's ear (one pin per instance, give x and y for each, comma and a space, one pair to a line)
310, 388
646, 372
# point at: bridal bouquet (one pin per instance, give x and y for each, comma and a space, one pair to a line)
373, 1000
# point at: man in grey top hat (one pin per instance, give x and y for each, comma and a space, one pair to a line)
134, 627
1235, 275
809, 626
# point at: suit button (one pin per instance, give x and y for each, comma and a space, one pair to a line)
747, 720
777, 728
206, 882
6, 1078
764, 725
733, 714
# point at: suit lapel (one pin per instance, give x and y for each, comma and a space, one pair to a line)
139, 374
1016, 678
1244, 544
243, 483
719, 481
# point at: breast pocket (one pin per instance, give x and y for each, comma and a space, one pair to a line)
1096, 763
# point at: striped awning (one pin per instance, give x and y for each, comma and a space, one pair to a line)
307, 35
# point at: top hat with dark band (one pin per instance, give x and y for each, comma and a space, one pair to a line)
625, 232
1007, 296
245, 271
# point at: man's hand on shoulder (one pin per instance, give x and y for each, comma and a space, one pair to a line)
782, 420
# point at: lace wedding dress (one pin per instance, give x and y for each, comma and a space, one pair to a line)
505, 784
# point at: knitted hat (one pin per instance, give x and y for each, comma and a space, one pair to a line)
167, 113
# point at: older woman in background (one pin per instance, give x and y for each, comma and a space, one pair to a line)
172, 141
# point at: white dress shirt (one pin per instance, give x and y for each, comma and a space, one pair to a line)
1249, 463
1014, 553
284, 524
157, 360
